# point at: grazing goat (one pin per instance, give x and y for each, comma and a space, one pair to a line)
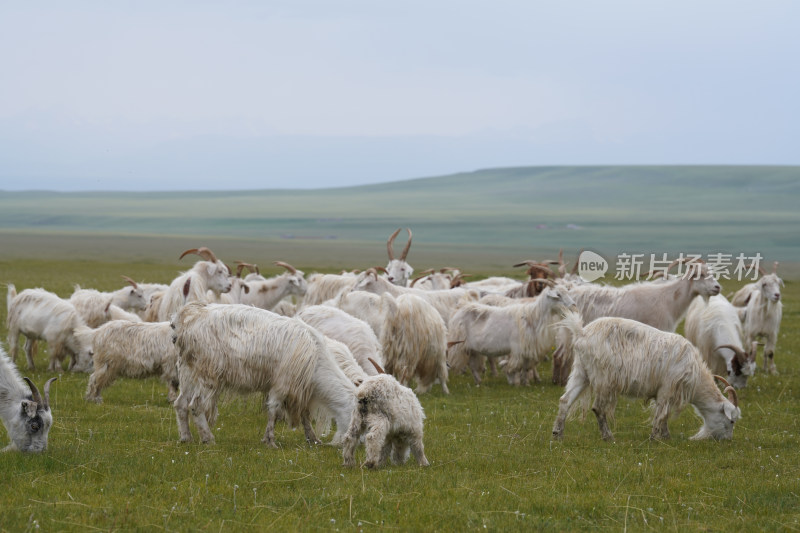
764, 310
25, 414
247, 349
345, 328
715, 328
390, 417
414, 341
132, 350
660, 304
209, 274
522, 331
615, 356
398, 271
39, 314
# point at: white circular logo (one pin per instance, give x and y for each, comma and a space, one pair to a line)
591, 266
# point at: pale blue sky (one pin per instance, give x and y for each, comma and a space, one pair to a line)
305, 94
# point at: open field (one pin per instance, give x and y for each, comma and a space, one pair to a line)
118, 466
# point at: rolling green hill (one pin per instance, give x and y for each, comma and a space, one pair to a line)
492, 216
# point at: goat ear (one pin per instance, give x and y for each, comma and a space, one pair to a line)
29, 408
245, 288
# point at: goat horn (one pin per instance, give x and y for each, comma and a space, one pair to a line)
47, 392
34, 391
424, 274
738, 351
723, 380
732, 396
760, 268
287, 266
775, 267
381, 269
129, 280
390, 243
546, 271
239, 267
447, 269
548, 282
453, 343
408, 246
577, 260
376, 365
203, 252
562, 269
730, 391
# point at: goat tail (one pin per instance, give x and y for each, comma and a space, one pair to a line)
12, 293
571, 327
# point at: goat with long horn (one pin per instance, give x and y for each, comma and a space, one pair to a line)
398, 270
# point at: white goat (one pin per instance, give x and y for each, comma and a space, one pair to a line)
343, 327
414, 341
398, 271
323, 287
151, 291
210, 274
361, 304
94, 305
39, 314
116, 313
247, 349
132, 350
620, 356
445, 302
715, 328
522, 331
390, 417
267, 293
660, 304
25, 414
443, 279
764, 310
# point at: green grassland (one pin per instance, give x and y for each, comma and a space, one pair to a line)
118, 466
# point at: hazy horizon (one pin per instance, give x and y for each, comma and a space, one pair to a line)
146, 96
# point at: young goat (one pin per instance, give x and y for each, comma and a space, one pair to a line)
132, 350
391, 418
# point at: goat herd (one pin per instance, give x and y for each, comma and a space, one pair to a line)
347, 351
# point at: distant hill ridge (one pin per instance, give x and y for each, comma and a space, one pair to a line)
649, 209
